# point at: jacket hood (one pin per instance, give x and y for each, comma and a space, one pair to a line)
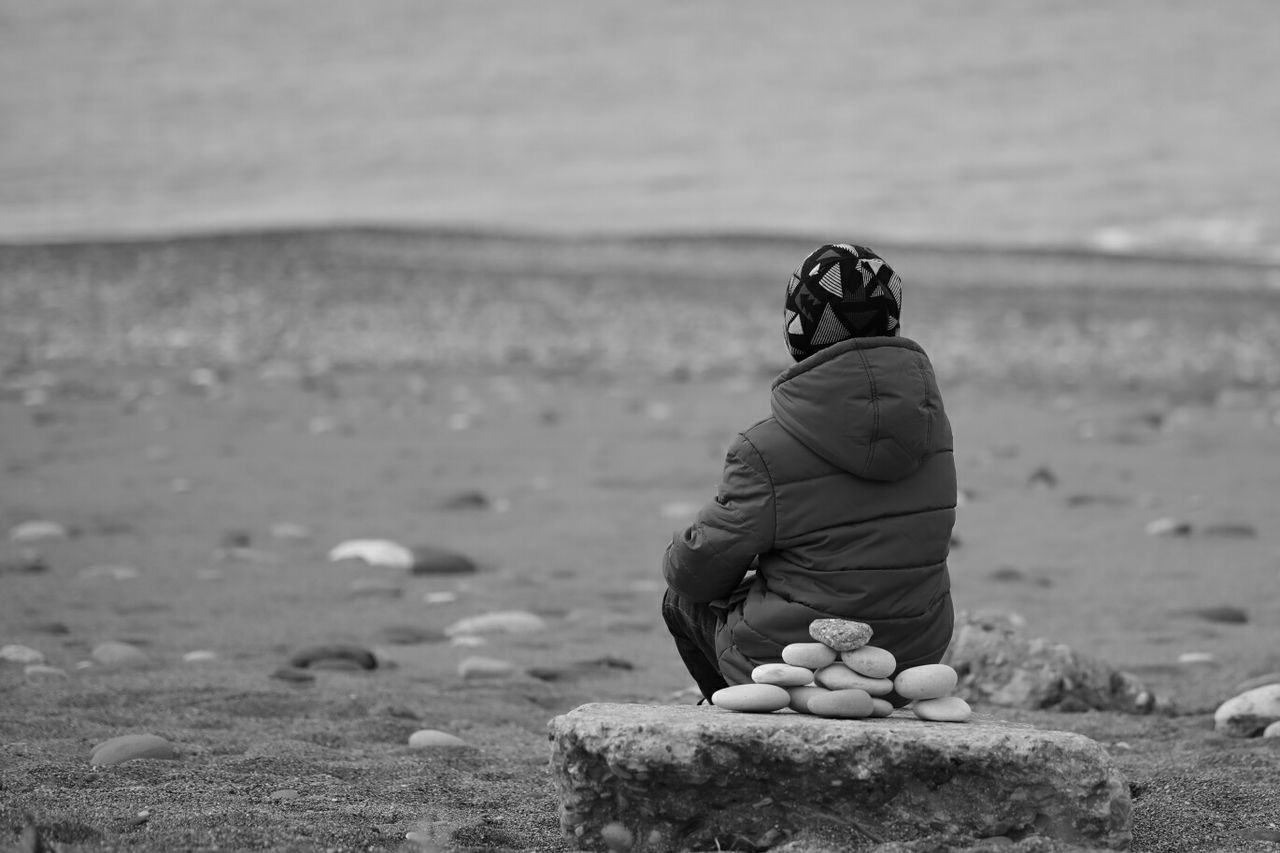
869, 406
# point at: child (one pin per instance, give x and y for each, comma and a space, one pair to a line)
840, 504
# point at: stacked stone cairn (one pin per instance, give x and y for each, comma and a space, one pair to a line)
840, 675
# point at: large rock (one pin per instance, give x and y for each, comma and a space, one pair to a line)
999, 666
683, 777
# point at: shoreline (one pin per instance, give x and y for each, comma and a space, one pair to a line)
941, 263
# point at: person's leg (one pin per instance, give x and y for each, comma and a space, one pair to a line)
693, 626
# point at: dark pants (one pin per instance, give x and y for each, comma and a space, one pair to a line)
693, 626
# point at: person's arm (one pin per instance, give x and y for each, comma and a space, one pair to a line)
708, 560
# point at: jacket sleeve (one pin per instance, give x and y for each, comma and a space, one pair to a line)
707, 560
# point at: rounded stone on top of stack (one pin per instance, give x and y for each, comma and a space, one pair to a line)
843, 635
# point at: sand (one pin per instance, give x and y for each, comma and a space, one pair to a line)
172, 404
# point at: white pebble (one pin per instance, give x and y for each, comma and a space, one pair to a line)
808, 655
1272, 730
931, 681
1188, 658
376, 552
944, 709
840, 677
118, 750
200, 656
881, 707
498, 622
1168, 527
15, 653
435, 739
40, 672
1249, 713
751, 698
37, 531
115, 573
482, 667
118, 654
871, 661
781, 674
289, 532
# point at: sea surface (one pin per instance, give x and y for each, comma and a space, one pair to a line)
1136, 125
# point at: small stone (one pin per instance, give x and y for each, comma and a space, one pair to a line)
112, 653
1168, 527
871, 661
410, 635
1043, 478
751, 698
1008, 574
375, 552
293, 674
616, 837
235, 539
285, 531
356, 656
466, 500
1250, 713
848, 704
1225, 613
482, 667
434, 739
800, 697
440, 597
118, 750
283, 795
14, 653
840, 677
931, 681
28, 562
38, 531
468, 641
200, 656
781, 674
1261, 833
808, 655
1273, 730
1194, 658
115, 573
38, 672
840, 634
429, 560
944, 709
498, 622
881, 707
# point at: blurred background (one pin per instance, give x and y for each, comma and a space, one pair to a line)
1143, 126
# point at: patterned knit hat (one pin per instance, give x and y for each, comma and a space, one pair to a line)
840, 292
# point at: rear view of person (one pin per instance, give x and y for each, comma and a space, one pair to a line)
839, 505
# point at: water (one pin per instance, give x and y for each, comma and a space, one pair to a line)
1130, 125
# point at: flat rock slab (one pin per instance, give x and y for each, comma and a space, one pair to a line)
683, 777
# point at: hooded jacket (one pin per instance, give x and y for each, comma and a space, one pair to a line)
842, 502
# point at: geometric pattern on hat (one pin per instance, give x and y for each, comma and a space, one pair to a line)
840, 291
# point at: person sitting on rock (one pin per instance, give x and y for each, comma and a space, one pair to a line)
839, 505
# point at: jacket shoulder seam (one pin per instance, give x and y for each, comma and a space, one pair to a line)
773, 491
